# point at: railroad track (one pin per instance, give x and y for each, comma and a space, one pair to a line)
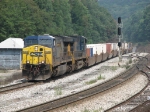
18, 86
64, 101
15, 87
144, 107
140, 102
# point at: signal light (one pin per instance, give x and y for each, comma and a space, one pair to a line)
119, 31
119, 44
119, 20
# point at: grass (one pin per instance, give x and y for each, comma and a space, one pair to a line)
134, 60
91, 81
99, 110
100, 77
86, 110
58, 91
114, 68
127, 65
130, 61
95, 80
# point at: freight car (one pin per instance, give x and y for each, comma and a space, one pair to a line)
45, 56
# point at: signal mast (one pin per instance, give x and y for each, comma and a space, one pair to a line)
119, 35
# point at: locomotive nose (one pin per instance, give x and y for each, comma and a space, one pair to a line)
37, 55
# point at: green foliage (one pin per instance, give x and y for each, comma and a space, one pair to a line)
91, 81
135, 17
113, 68
100, 77
20, 18
130, 61
58, 91
86, 110
127, 65
141, 26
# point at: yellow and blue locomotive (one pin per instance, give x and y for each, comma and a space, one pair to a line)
44, 56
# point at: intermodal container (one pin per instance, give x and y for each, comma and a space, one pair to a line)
130, 45
88, 52
123, 46
91, 52
108, 47
92, 46
98, 49
126, 45
103, 48
114, 46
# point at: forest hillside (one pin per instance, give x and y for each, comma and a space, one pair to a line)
20, 18
135, 16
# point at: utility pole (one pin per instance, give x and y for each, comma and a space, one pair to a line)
119, 36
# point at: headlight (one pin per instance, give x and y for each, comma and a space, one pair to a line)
28, 61
36, 48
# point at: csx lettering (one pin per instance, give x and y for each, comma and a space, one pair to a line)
36, 54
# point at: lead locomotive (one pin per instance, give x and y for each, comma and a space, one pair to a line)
44, 56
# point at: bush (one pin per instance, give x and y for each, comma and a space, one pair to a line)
130, 61
91, 81
58, 91
100, 77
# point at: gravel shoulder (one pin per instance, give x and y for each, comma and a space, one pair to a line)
63, 86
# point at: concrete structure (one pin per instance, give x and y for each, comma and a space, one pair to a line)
10, 53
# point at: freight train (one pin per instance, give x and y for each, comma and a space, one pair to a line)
46, 56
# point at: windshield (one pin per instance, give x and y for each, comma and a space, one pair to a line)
46, 42
43, 42
29, 42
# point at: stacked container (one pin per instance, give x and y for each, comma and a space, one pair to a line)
103, 48
109, 48
123, 46
93, 48
98, 49
126, 46
91, 52
114, 46
88, 52
115, 49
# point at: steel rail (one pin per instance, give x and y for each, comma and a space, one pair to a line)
15, 87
